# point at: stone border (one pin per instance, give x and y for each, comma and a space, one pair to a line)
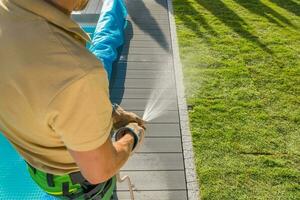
190, 169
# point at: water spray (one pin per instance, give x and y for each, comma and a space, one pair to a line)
157, 104
159, 100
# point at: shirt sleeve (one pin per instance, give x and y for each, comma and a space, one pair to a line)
82, 113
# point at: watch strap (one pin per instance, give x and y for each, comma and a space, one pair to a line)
132, 132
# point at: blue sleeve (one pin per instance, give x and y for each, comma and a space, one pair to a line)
109, 33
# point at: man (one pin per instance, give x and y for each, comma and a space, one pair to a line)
54, 107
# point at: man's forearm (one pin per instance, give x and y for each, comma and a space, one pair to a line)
104, 162
123, 149
120, 153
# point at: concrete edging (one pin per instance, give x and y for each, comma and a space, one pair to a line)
190, 169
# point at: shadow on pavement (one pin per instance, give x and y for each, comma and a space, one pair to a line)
118, 75
162, 3
143, 18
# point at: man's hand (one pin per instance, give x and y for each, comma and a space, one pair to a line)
121, 117
102, 163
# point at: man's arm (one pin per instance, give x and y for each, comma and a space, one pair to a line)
104, 162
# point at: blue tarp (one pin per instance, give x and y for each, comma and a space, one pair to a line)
109, 33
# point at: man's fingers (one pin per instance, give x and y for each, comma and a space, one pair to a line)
139, 120
123, 118
135, 118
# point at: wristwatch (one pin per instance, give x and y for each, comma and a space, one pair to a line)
129, 130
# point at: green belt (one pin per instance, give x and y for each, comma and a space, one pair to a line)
72, 186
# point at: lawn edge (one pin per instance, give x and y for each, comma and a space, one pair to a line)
193, 190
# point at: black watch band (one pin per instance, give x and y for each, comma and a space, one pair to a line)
131, 131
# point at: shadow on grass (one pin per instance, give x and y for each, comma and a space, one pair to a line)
288, 5
192, 19
232, 20
261, 9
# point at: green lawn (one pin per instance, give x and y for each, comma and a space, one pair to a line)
241, 63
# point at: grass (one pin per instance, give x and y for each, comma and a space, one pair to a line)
241, 63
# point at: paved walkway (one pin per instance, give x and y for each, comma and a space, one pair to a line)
158, 170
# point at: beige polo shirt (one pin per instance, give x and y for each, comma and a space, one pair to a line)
54, 92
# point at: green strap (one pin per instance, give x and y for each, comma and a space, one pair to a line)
61, 186
53, 184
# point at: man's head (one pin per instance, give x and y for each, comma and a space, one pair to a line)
70, 5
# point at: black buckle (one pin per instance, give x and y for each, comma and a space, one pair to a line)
50, 180
65, 189
100, 190
77, 178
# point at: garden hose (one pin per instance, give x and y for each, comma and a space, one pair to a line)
120, 179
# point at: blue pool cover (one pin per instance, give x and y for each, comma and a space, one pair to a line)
15, 182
